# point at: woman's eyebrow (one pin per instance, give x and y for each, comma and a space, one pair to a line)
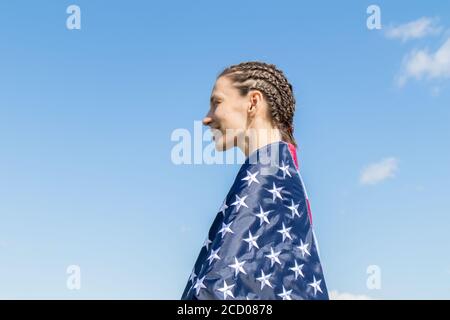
213, 98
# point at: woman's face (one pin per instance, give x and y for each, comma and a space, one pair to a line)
227, 115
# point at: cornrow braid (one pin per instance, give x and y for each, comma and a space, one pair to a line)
271, 81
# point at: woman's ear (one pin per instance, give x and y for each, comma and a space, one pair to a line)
255, 102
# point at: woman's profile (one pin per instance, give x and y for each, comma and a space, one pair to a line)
261, 244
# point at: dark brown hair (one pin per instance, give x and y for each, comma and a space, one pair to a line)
272, 83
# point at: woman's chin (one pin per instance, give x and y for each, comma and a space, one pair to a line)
220, 145
223, 145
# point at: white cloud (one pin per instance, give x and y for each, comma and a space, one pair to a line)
420, 28
421, 64
335, 295
377, 172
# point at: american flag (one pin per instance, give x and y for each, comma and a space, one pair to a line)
261, 245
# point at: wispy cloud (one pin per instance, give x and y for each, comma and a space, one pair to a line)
335, 295
379, 171
422, 64
420, 28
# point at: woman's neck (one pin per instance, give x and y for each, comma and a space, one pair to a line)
259, 137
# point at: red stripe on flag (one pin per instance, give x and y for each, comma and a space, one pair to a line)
309, 211
293, 154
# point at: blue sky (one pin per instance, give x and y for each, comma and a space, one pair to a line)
86, 116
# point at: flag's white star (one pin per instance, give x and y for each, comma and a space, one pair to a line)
199, 285
251, 177
263, 216
223, 208
206, 243
275, 192
285, 169
251, 240
226, 290
192, 276
285, 232
237, 266
225, 229
294, 209
264, 279
297, 270
273, 256
213, 256
303, 247
239, 202
316, 285
286, 295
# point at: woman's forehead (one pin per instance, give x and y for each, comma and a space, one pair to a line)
222, 87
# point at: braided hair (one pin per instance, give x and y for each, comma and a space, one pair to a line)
272, 83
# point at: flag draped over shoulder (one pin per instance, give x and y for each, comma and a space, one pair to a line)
261, 244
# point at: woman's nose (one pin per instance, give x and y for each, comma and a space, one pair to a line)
207, 120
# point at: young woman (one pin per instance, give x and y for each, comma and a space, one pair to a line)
261, 244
